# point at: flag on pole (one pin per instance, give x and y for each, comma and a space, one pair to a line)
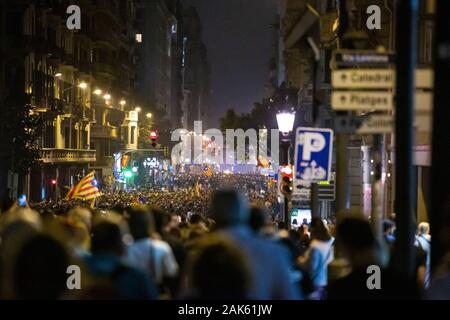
208, 171
263, 162
197, 189
86, 189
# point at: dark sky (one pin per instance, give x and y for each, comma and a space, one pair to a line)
239, 40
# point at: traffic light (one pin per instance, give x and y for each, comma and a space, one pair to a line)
153, 137
286, 185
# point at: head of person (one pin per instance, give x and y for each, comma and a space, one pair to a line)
388, 226
195, 219
140, 222
229, 208
220, 270
357, 239
161, 219
80, 214
108, 237
40, 269
423, 228
319, 231
258, 219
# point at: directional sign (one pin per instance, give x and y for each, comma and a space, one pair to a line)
313, 153
363, 58
377, 78
362, 100
377, 124
363, 79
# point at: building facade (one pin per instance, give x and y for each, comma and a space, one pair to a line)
318, 20
77, 83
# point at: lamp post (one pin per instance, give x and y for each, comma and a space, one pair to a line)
285, 121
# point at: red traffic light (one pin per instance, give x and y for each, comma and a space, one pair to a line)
53, 181
286, 171
153, 135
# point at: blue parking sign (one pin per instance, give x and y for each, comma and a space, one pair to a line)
313, 154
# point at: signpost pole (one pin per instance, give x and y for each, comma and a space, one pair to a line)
315, 113
405, 193
440, 172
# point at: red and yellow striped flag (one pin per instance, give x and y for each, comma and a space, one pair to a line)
86, 189
208, 171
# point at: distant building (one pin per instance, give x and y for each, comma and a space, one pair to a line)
195, 71
80, 83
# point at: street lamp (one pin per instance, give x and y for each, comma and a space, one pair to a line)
122, 102
285, 121
138, 109
58, 75
98, 92
107, 96
82, 85
149, 115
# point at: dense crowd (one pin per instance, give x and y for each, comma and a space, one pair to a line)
188, 244
186, 194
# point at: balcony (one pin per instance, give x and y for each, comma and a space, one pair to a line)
67, 156
104, 132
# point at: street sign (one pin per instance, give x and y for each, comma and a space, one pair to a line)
363, 79
362, 100
326, 191
353, 58
377, 124
313, 154
376, 79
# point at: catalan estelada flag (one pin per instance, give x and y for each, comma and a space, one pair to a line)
86, 189
208, 171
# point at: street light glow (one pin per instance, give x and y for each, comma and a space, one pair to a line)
107, 96
149, 115
58, 75
98, 92
138, 109
122, 102
82, 85
285, 121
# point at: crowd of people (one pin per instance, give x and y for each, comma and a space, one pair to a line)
198, 244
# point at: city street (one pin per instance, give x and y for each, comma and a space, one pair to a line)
226, 150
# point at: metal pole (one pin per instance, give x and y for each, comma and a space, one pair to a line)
440, 172
285, 145
406, 35
342, 193
315, 114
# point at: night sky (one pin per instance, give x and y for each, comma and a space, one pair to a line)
239, 40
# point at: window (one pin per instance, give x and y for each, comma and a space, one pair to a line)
133, 129
139, 37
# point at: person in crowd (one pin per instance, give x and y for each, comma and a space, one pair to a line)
388, 228
113, 278
40, 269
360, 247
269, 262
423, 245
17, 225
258, 220
439, 287
219, 271
305, 237
148, 252
164, 224
316, 259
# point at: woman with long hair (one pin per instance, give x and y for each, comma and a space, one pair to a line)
316, 259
